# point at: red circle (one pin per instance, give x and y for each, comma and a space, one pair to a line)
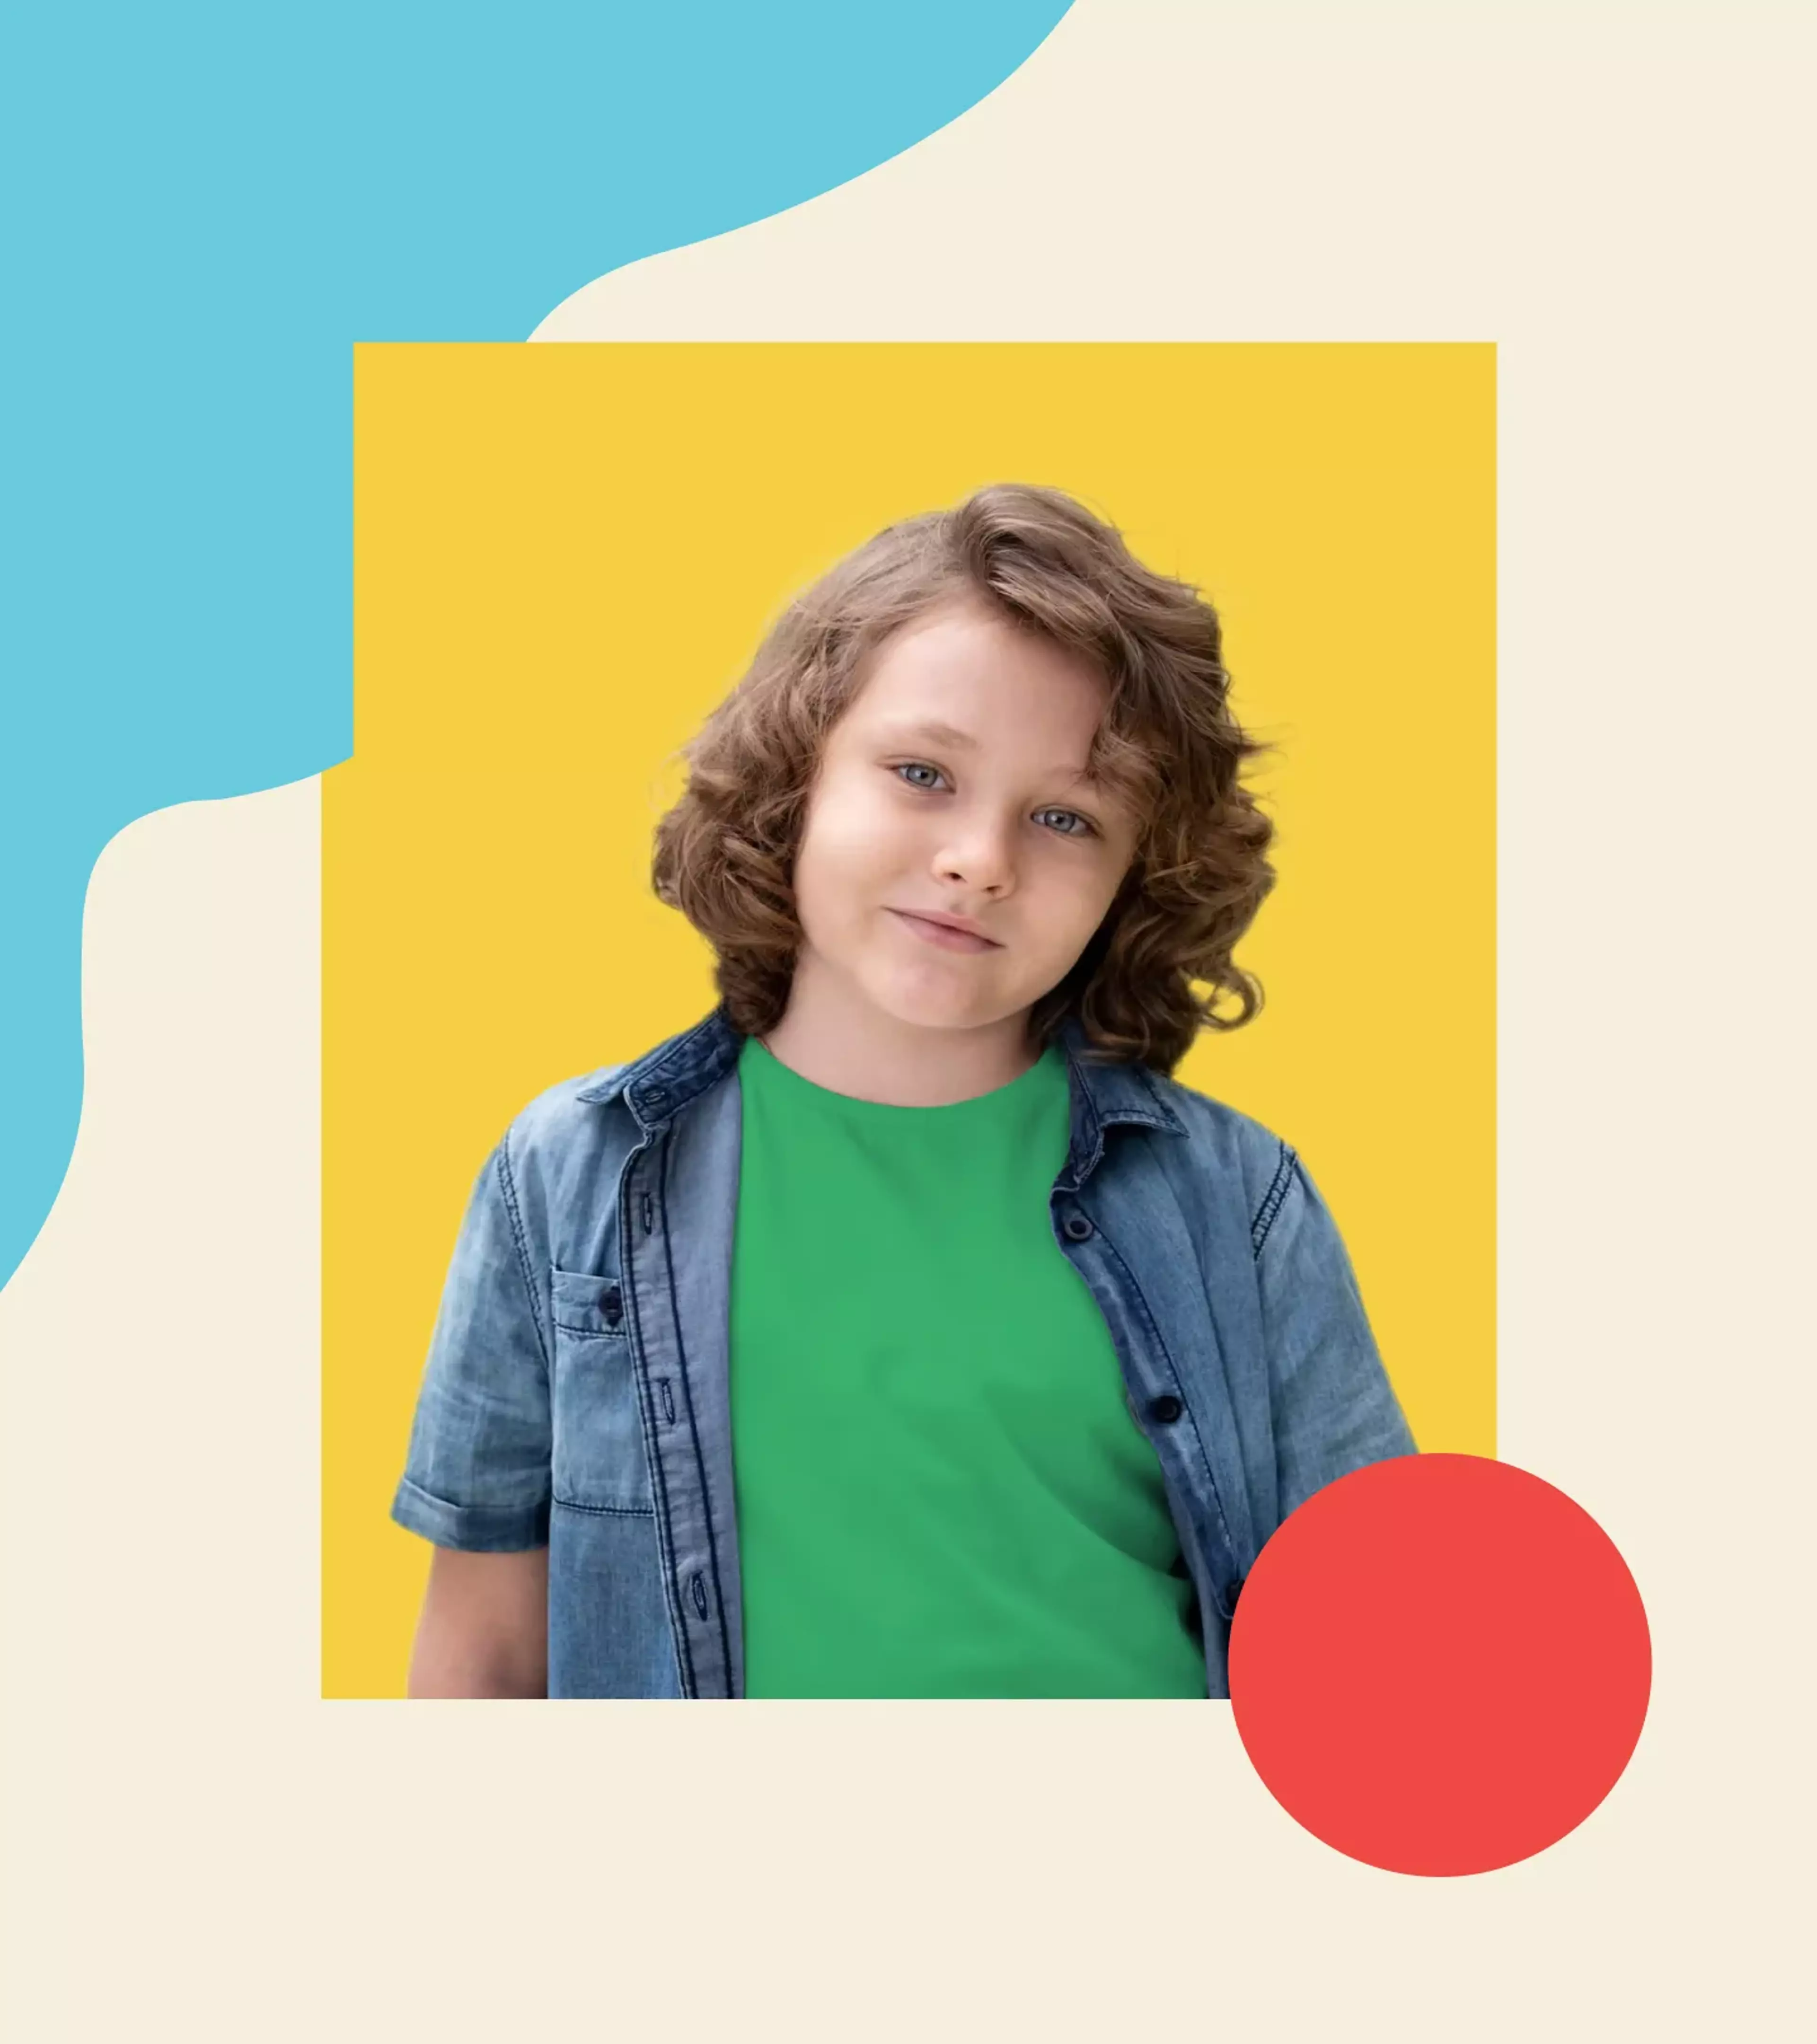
1440, 1665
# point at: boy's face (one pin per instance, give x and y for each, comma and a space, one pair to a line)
996, 827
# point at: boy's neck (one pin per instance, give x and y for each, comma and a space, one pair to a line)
833, 1037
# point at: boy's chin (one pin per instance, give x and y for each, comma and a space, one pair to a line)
922, 1009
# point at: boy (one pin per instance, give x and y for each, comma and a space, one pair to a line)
902, 1328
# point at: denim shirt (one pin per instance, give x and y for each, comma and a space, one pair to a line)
576, 1392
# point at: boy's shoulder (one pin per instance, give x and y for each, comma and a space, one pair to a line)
563, 1153
592, 1115
1227, 1140
572, 1110
1211, 1120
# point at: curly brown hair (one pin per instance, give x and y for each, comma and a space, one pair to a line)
1167, 745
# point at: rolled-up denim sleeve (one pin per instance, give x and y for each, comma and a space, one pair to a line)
1334, 1408
476, 1472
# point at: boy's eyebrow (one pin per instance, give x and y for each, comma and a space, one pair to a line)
941, 734
950, 734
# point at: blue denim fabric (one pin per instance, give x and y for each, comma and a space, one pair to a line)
577, 1389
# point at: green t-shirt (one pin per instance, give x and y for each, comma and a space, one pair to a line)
940, 1491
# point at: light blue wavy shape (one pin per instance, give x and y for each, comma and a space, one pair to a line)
212, 204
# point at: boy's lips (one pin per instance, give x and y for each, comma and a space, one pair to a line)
943, 934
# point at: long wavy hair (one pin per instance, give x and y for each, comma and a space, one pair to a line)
1151, 976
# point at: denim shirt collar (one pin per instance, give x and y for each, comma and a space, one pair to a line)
666, 1079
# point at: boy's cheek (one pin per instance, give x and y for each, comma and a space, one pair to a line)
839, 841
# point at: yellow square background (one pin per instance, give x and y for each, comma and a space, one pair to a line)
565, 555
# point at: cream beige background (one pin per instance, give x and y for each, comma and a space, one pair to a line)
196, 1844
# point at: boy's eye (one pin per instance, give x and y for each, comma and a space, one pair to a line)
1087, 827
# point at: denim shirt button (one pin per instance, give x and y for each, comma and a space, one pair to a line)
1077, 1228
1166, 1410
611, 1304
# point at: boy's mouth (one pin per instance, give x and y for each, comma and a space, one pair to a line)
943, 935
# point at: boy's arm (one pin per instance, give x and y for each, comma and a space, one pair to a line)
1334, 1408
476, 1482
484, 1629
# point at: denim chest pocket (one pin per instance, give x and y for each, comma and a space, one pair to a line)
597, 1460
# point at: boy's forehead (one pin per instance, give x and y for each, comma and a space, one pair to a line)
961, 689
